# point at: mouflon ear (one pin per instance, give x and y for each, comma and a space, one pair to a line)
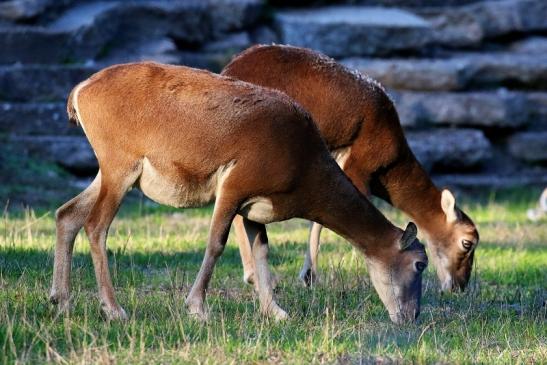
409, 235
448, 203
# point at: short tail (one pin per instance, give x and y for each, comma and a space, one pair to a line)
71, 109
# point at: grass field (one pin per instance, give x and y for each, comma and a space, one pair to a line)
155, 255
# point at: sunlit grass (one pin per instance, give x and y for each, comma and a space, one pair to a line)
155, 253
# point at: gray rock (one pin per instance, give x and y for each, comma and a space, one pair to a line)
73, 153
506, 69
414, 3
341, 31
531, 45
80, 34
82, 15
413, 73
469, 25
161, 50
537, 103
40, 82
214, 62
232, 43
480, 109
35, 119
90, 30
450, 148
264, 35
23, 9
529, 146
33, 45
460, 72
231, 15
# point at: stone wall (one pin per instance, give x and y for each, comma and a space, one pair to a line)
469, 78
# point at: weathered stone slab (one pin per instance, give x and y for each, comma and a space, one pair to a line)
450, 148
531, 45
341, 31
80, 34
72, 153
232, 43
88, 31
40, 82
413, 73
231, 15
33, 45
529, 146
404, 3
26, 9
162, 50
537, 102
463, 71
35, 119
469, 25
214, 62
481, 109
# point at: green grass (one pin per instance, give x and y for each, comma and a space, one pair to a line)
155, 253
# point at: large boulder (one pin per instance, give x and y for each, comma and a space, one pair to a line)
450, 148
529, 146
480, 109
341, 31
459, 72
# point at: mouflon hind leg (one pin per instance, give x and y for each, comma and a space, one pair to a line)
308, 274
113, 188
245, 251
70, 218
256, 234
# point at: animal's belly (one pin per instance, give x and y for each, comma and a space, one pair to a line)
180, 192
259, 209
341, 156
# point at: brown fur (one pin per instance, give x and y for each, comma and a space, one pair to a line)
187, 137
353, 110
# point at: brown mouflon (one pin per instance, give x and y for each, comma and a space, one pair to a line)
188, 137
361, 127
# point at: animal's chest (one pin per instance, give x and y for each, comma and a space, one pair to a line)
180, 190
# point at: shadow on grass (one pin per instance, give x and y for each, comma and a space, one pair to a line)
14, 261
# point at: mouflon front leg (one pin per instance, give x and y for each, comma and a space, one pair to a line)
224, 212
70, 218
257, 236
308, 274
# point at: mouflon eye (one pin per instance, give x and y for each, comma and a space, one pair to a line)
467, 244
420, 266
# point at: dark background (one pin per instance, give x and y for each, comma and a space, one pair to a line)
469, 78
